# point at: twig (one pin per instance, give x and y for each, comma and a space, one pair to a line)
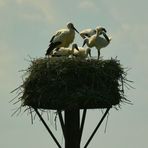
16, 88
17, 101
31, 115
16, 111
106, 123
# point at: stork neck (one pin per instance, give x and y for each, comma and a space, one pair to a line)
97, 33
71, 51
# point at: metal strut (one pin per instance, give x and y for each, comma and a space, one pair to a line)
95, 130
62, 122
82, 123
48, 129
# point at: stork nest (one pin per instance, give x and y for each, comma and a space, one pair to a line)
67, 83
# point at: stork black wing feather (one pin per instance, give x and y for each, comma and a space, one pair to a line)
51, 47
52, 38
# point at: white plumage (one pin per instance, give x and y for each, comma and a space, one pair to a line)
62, 38
89, 32
64, 52
97, 41
82, 53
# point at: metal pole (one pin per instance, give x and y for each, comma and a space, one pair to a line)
82, 123
62, 122
46, 126
95, 130
72, 128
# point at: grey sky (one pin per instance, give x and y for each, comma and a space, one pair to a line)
26, 28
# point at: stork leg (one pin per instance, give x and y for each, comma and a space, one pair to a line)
98, 54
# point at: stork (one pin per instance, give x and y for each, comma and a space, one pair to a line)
64, 52
89, 32
82, 53
97, 41
62, 38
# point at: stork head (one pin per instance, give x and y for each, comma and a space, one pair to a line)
71, 26
100, 29
85, 41
82, 35
75, 46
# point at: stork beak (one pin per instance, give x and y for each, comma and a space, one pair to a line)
76, 30
84, 43
103, 29
106, 37
77, 48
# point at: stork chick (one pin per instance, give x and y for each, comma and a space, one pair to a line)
90, 32
82, 52
97, 41
64, 52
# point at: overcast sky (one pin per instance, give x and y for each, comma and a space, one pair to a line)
26, 27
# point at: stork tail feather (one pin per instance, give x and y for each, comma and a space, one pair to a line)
51, 47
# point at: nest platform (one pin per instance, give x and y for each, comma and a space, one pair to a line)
66, 83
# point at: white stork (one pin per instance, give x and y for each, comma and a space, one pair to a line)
97, 41
62, 38
89, 32
82, 53
64, 52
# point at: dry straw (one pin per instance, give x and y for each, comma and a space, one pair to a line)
67, 83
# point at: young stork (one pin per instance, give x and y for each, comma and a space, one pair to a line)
64, 52
97, 41
62, 38
89, 32
82, 53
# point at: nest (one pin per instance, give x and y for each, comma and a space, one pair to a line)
67, 83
